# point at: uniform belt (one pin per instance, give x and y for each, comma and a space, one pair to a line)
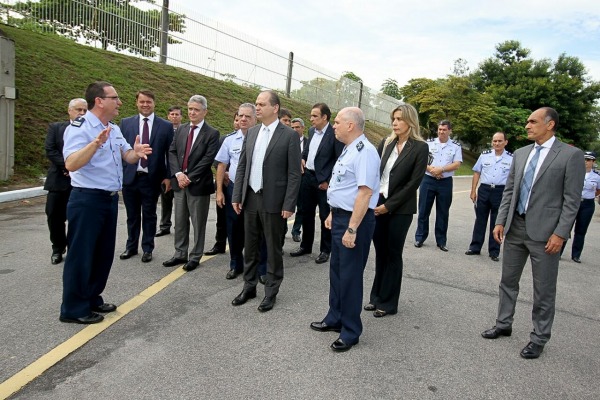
140, 173
341, 211
586, 199
493, 186
96, 191
310, 170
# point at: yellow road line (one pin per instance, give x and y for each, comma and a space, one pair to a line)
42, 364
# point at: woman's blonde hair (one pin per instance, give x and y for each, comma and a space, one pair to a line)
409, 115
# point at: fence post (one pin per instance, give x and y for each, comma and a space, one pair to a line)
288, 85
8, 95
360, 94
164, 31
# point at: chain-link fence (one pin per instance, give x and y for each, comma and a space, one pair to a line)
182, 38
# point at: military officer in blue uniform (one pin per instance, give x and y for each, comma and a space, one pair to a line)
490, 171
352, 195
93, 150
437, 185
591, 189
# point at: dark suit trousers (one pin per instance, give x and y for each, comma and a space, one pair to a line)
297, 227
221, 225
92, 233
312, 197
488, 203
141, 198
166, 209
235, 232
388, 239
346, 271
544, 267
582, 222
56, 212
257, 223
440, 191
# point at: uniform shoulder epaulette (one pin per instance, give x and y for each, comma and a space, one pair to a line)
77, 122
457, 143
508, 153
486, 151
430, 139
232, 133
360, 145
597, 173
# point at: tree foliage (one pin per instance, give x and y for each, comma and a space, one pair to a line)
115, 23
501, 93
390, 87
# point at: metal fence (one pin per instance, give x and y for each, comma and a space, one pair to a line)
196, 43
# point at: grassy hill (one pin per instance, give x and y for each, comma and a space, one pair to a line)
51, 70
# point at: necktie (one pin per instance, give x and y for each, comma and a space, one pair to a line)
256, 170
527, 181
188, 146
145, 140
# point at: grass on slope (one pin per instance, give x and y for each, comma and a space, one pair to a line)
51, 70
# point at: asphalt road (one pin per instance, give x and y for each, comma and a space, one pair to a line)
186, 341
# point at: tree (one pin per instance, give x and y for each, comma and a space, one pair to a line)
115, 23
390, 87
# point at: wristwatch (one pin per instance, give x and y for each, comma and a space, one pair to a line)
351, 231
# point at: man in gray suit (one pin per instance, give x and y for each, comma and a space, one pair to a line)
191, 156
266, 185
539, 205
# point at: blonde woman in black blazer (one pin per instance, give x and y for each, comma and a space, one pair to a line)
404, 156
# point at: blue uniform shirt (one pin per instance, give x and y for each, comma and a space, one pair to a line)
358, 165
230, 150
444, 154
105, 168
493, 170
590, 185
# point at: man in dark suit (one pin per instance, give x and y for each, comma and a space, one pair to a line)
58, 182
318, 158
166, 196
191, 156
266, 186
539, 205
142, 181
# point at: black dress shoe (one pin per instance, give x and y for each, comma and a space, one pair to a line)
162, 232
232, 274
442, 248
381, 313
296, 238
369, 307
262, 279
174, 261
323, 258
127, 254
104, 308
267, 303
472, 253
418, 244
244, 297
93, 318
495, 258
340, 346
215, 250
577, 260
146, 257
532, 350
299, 252
56, 258
323, 327
495, 333
191, 265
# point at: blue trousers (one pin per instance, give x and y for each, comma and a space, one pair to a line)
346, 270
92, 216
487, 205
582, 222
441, 191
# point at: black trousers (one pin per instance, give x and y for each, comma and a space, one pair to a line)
312, 197
56, 212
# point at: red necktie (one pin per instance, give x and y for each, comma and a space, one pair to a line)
145, 140
188, 146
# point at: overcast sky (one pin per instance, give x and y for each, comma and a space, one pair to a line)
379, 39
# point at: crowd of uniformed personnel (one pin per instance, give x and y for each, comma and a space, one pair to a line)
267, 171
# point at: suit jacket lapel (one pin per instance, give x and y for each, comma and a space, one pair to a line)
328, 132
552, 153
274, 139
386, 155
153, 131
408, 146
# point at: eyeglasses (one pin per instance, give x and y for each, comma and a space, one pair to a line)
110, 97
80, 109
